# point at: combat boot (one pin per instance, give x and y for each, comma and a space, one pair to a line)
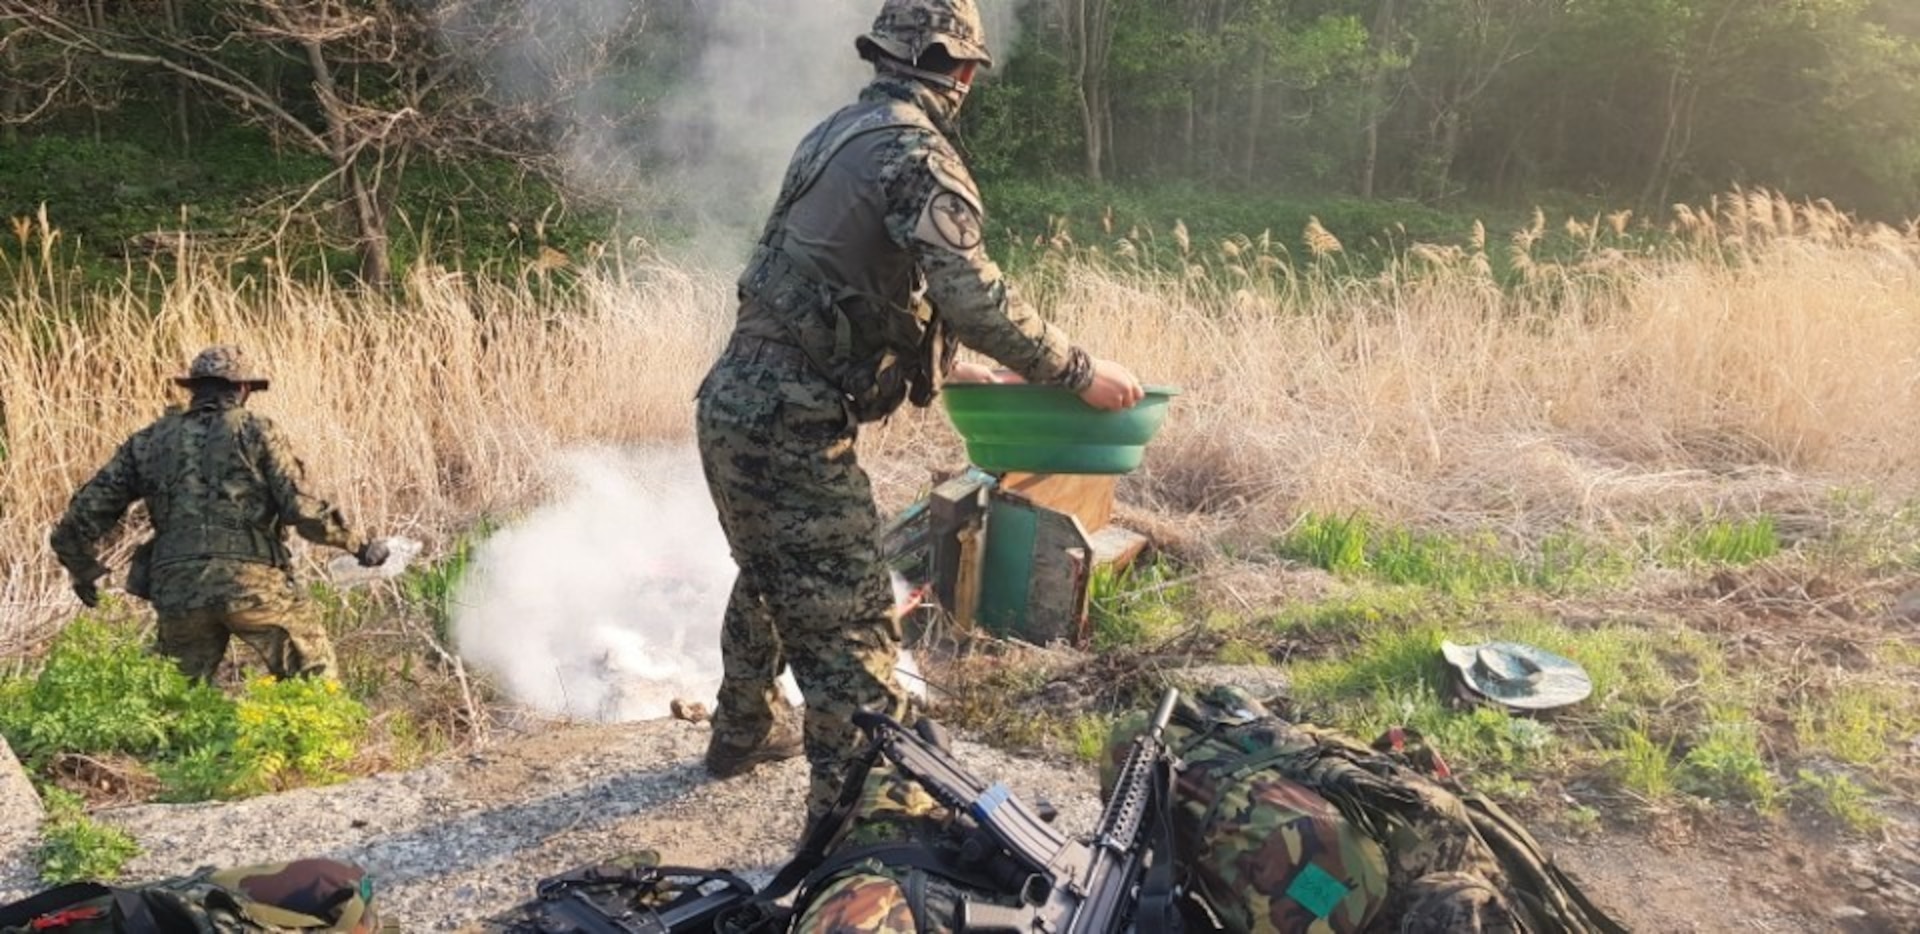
725, 760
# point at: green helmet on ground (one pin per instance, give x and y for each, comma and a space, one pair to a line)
906, 29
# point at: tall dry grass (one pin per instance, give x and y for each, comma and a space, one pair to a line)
1760, 351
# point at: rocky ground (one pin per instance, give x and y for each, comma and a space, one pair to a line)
465, 838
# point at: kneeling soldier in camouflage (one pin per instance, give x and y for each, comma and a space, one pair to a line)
221, 486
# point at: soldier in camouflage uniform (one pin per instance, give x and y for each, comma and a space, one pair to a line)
871, 268
221, 486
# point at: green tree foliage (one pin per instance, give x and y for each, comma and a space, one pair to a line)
1629, 101
1644, 101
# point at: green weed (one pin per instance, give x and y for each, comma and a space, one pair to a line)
1723, 542
1356, 612
102, 691
1332, 543
1458, 568
1841, 798
74, 846
1239, 652
1393, 658
1726, 765
1583, 820
1566, 562
1354, 546
1135, 605
1090, 732
1897, 654
1643, 766
431, 587
1855, 725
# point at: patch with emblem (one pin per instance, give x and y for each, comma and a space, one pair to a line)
952, 222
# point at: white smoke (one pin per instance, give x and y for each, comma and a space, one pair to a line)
734, 108
606, 604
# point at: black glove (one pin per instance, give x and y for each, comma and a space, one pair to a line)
87, 591
372, 554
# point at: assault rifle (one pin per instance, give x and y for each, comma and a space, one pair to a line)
1122, 876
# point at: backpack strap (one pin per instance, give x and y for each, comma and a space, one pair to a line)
71, 895
1551, 898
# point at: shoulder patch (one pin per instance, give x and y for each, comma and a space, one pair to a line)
950, 173
951, 218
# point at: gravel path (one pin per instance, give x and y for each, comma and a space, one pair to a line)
460, 840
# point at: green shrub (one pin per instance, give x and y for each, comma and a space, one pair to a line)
74, 846
102, 691
281, 734
1644, 766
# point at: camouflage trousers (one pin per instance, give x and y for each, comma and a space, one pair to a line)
777, 446
285, 630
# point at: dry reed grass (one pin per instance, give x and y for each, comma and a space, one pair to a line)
1626, 381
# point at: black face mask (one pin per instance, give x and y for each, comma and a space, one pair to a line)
217, 395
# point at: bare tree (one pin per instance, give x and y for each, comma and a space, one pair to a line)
38, 78
1088, 26
1474, 43
383, 82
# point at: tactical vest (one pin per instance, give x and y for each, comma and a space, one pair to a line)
878, 350
208, 498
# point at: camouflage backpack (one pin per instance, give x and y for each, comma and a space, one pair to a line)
899, 866
1291, 828
309, 895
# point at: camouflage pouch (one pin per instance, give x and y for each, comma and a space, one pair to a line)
140, 572
632, 892
313, 895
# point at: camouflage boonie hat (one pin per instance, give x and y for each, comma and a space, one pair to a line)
223, 362
906, 29
1518, 675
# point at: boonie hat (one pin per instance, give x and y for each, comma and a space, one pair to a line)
1518, 675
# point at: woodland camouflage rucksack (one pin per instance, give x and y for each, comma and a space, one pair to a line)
309, 895
1287, 827
897, 868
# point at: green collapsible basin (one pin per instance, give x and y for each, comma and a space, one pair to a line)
1047, 429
